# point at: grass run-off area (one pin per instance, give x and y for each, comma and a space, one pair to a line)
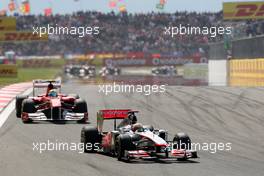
29, 74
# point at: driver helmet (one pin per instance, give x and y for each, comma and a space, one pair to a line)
53, 93
137, 127
132, 117
50, 86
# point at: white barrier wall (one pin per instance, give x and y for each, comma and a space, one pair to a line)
217, 73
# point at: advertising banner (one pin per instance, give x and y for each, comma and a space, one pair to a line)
246, 72
37, 63
14, 36
7, 24
7, 70
131, 62
152, 80
243, 10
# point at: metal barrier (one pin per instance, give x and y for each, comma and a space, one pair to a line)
246, 66
248, 48
217, 51
241, 49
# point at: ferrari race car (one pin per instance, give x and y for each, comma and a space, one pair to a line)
80, 71
51, 106
164, 71
130, 140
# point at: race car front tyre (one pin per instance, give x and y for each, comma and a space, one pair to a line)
124, 142
90, 138
80, 106
182, 141
76, 96
19, 100
28, 106
194, 154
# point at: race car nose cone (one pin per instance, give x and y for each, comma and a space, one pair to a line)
55, 102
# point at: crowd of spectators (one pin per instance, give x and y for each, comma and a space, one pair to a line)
124, 33
245, 29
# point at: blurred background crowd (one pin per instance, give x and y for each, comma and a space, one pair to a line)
123, 32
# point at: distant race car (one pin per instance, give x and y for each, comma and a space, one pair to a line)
131, 140
105, 71
80, 71
51, 106
164, 71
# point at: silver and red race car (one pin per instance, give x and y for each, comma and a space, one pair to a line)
110, 71
164, 71
52, 105
131, 140
80, 71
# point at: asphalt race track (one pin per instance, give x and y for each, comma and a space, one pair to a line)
207, 114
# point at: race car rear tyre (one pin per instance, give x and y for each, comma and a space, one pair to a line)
19, 100
91, 139
80, 106
28, 106
124, 142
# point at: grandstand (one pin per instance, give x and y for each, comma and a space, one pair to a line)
125, 32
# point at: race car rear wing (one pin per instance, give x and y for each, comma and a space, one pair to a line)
56, 84
44, 83
111, 114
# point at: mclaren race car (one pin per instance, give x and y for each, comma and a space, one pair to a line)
131, 140
52, 105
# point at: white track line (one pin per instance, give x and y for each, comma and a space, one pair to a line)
6, 96
9, 92
6, 99
9, 109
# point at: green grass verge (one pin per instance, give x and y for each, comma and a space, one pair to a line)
29, 74
97, 62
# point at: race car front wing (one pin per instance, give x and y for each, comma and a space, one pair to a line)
68, 116
173, 154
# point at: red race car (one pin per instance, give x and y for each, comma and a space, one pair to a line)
132, 140
51, 106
